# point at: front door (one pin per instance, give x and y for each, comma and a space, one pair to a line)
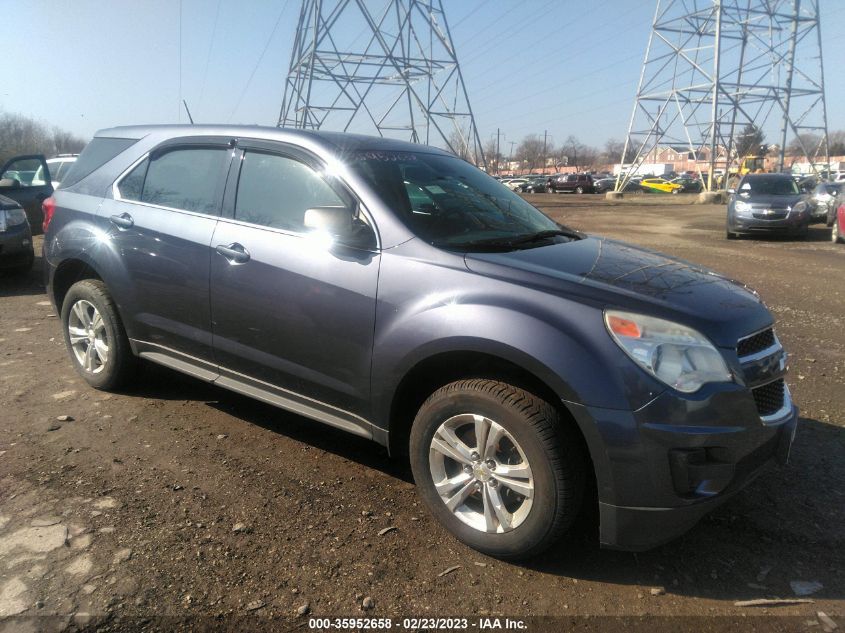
292, 316
26, 180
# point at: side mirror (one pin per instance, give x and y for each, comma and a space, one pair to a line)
336, 221
339, 223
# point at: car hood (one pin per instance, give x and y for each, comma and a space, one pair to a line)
612, 274
777, 202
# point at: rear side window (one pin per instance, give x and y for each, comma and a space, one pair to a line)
187, 179
96, 154
132, 185
276, 191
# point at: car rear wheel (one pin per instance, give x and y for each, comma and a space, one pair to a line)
95, 337
497, 467
835, 236
579, 189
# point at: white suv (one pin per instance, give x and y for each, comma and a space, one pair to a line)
58, 166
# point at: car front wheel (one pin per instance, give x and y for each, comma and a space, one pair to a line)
835, 236
497, 466
94, 336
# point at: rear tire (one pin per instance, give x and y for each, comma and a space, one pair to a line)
579, 190
835, 236
511, 516
95, 337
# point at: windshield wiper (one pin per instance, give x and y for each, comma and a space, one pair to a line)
511, 243
542, 235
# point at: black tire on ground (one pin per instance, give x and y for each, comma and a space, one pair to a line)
676, 191
835, 235
552, 448
121, 363
731, 235
579, 189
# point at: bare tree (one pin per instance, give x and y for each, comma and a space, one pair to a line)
799, 146
837, 143
491, 155
530, 151
459, 145
22, 135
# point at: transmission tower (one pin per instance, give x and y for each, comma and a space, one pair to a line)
392, 71
714, 67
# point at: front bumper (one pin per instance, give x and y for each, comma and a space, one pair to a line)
791, 224
16, 247
659, 470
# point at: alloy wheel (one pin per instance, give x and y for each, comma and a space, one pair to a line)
481, 473
88, 337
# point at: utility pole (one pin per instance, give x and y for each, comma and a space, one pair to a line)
510, 156
545, 136
497, 151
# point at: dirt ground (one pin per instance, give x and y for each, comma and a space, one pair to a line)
177, 503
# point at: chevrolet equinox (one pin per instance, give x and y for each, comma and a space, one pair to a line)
397, 292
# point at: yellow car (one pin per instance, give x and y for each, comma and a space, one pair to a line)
659, 185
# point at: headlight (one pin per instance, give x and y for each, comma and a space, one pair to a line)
15, 217
673, 353
11, 217
742, 207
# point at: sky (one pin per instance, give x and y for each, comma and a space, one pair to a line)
561, 67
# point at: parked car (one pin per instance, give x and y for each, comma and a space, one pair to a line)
17, 181
688, 185
823, 201
535, 184
516, 183
59, 167
603, 185
16, 252
404, 296
571, 183
660, 185
767, 203
836, 223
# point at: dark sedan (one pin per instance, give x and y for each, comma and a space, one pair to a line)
688, 185
767, 203
535, 184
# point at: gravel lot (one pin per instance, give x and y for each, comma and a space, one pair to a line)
179, 500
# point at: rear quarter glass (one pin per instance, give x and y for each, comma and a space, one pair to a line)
96, 154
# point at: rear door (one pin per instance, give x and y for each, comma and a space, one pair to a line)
26, 180
293, 318
160, 223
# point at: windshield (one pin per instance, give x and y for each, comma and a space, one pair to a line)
770, 186
446, 201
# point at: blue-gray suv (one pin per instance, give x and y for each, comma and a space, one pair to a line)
393, 290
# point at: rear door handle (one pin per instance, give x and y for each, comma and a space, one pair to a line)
123, 221
234, 252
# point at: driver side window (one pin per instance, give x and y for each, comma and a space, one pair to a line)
275, 191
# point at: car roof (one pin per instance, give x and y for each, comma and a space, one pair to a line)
330, 140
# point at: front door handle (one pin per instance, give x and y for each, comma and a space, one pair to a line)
234, 252
123, 221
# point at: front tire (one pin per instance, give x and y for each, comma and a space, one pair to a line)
835, 236
579, 190
497, 466
95, 337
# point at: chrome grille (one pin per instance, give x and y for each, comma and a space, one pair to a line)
755, 343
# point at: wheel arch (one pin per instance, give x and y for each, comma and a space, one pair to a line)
439, 369
67, 273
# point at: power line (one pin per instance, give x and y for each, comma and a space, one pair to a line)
260, 58
208, 55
